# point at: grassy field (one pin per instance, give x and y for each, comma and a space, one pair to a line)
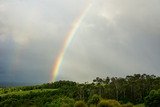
26, 92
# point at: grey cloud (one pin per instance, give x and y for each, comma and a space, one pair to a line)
31, 35
123, 40
116, 38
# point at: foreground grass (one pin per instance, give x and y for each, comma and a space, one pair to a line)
139, 105
26, 92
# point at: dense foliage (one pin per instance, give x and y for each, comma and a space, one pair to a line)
133, 89
153, 99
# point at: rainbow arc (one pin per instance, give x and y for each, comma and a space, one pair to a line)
70, 35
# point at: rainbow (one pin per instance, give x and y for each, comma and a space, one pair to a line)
67, 41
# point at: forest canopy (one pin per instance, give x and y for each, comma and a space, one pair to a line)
114, 92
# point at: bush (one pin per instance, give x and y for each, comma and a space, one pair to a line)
109, 103
95, 99
103, 103
80, 104
63, 102
65, 105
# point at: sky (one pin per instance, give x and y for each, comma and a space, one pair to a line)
114, 38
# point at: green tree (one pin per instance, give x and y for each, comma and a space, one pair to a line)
94, 100
153, 99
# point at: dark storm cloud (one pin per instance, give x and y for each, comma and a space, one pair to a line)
31, 35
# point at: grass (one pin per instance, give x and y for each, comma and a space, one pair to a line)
139, 105
26, 92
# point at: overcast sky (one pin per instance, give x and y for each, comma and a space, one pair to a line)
115, 38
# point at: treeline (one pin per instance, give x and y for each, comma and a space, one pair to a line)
129, 89
133, 89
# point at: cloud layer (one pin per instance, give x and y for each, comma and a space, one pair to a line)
116, 38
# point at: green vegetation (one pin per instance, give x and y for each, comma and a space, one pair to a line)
109, 103
139, 105
26, 92
131, 91
80, 104
153, 99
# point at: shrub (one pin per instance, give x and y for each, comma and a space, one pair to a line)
65, 105
103, 103
95, 99
109, 103
63, 102
80, 104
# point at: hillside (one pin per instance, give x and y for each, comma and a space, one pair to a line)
131, 91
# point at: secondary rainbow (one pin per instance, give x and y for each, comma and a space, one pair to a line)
67, 41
